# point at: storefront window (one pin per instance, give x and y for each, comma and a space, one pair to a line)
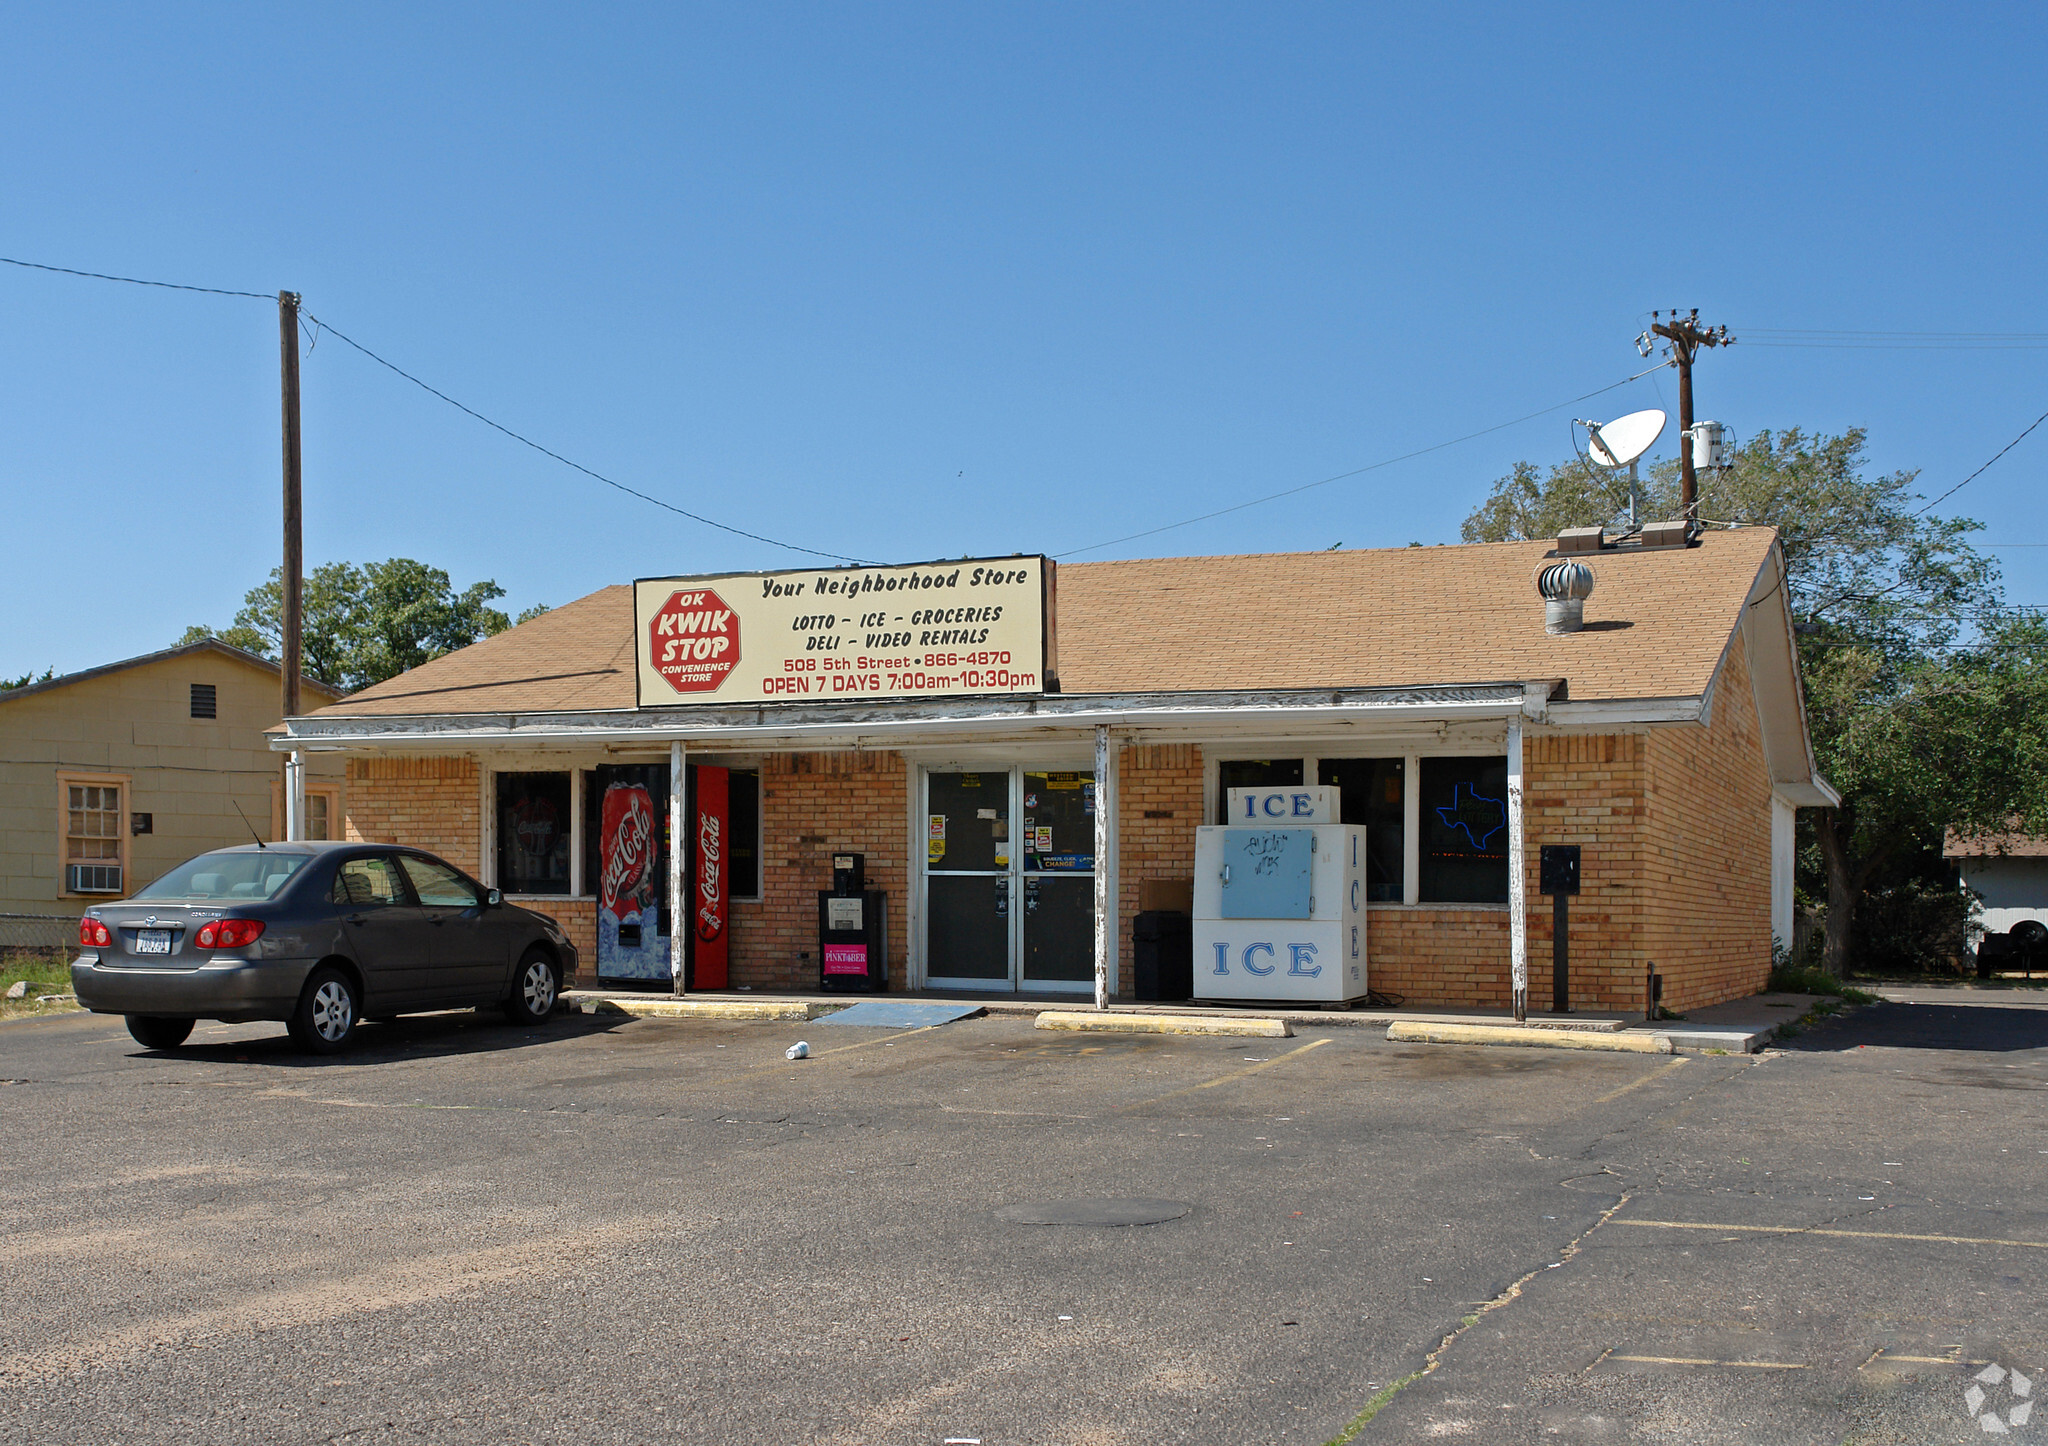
533, 833
1464, 831
743, 828
1253, 773
1371, 792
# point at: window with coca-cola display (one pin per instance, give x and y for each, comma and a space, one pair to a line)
533, 833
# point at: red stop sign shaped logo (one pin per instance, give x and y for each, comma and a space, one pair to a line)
693, 641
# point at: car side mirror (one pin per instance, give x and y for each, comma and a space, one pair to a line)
494, 898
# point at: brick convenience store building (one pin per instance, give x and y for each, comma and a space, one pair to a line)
1666, 737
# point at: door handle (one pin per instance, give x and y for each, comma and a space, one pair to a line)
353, 919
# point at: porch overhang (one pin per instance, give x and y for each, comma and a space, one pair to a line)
800, 727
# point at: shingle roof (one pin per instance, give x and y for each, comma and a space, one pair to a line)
204, 645
1994, 845
1656, 626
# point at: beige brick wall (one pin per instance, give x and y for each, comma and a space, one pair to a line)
813, 805
428, 803
1707, 860
1158, 809
1589, 791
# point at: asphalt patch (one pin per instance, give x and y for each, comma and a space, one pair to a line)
1095, 1212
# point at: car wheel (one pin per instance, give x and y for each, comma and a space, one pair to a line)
535, 989
326, 1016
153, 1031
2030, 931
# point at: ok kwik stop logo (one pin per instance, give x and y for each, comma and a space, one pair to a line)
693, 641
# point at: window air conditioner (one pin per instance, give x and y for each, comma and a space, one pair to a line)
94, 878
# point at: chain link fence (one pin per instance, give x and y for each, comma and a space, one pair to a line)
38, 933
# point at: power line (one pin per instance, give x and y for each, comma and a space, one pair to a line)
527, 441
341, 336
1850, 340
1360, 471
136, 280
1981, 470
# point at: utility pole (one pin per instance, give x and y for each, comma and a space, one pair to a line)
291, 582
1686, 337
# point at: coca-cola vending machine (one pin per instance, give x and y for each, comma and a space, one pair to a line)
626, 823
710, 875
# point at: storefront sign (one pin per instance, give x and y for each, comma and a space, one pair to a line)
975, 627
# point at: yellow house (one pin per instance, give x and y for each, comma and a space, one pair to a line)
111, 776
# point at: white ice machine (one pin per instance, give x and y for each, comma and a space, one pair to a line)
1280, 900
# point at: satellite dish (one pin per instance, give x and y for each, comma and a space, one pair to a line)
1624, 439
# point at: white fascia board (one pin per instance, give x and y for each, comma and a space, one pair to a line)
785, 728
1624, 713
1816, 792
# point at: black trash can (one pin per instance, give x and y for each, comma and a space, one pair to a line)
1164, 954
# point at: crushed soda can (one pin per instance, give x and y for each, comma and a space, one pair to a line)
799, 1050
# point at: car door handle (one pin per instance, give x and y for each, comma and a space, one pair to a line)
354, 919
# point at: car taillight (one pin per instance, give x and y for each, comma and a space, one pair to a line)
92, 934
229, 933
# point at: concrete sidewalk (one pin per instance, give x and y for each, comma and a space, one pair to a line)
1739, 1027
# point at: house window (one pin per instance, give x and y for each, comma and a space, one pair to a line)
533, 833
1371, 791
1253, 773
323, 811
204, 703
1464, 831
93, 833
93, 827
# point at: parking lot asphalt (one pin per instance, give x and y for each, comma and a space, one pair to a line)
648, 1230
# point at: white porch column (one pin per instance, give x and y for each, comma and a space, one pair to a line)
1518, 900
1106, 900
1784, 861
678, 845
295, 795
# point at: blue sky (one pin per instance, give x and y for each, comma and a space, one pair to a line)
915, 281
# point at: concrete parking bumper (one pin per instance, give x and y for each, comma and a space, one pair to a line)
1100, 1022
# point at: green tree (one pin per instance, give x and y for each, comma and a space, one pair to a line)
8, 685
1918, 680
1530, 503
363, 624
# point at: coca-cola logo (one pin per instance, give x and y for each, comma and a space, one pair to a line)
628, 848
710, 900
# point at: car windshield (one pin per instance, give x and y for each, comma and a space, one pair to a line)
255, 875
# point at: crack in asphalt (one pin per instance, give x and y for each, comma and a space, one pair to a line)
1512, 1293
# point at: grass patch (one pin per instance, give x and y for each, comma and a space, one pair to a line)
1794, 979
1385, 1394
47, 971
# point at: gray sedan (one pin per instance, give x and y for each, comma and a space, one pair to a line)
318, 935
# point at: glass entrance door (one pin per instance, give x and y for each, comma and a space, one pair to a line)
1058, 853
1010, 880
967, 880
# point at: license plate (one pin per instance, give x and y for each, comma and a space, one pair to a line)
152, 941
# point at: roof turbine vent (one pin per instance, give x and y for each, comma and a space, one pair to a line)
1565, 586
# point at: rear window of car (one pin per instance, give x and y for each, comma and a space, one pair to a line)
227, 876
